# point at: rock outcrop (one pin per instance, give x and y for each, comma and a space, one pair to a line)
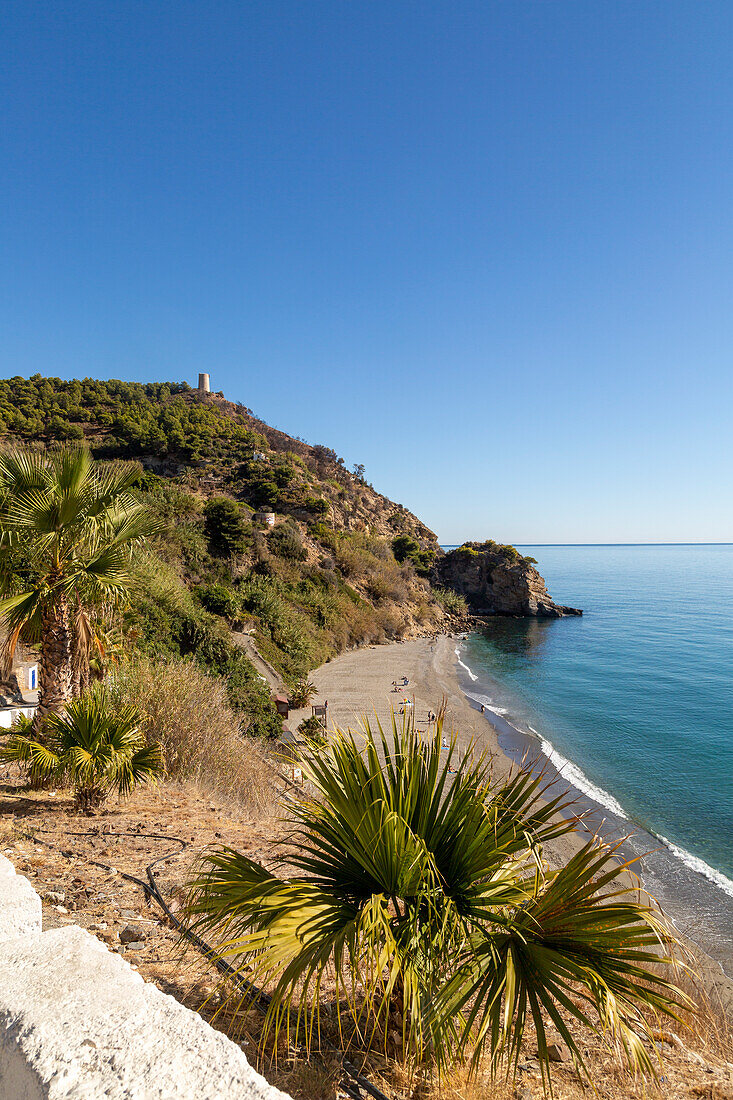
497, 580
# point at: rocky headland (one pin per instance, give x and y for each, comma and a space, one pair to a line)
497, 580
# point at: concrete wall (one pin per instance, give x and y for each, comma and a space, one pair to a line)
76, 1021
8, 715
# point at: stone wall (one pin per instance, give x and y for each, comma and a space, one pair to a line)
76, 1021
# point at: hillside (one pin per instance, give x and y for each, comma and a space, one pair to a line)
342, 566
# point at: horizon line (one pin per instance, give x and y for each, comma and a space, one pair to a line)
548, 544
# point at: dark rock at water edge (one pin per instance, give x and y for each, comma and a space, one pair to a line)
497, 580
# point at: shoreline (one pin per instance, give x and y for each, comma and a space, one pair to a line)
358, 684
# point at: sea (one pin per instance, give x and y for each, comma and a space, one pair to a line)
631, 706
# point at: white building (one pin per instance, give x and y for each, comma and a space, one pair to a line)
19, 689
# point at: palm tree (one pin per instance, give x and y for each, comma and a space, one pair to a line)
419, 883
78, 523
98, 746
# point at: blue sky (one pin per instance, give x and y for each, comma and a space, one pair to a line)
483, 248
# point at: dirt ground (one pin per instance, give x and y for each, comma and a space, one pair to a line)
76, 863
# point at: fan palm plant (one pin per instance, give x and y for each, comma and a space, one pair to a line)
418, 882
303, 691
97, 746
79, 524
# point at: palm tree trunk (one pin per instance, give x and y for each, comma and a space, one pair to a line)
56, 670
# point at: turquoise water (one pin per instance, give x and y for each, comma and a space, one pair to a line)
633, 702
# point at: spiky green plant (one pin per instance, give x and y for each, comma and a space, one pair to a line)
303, 691
96, 745
418, 883
79, 525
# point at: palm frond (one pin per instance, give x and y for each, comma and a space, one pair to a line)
420, 880
19, 615
586, 935
100, 745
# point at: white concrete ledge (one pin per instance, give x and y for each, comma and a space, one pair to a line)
20, 905
78, 1023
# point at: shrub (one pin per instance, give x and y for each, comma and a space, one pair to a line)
219, 600
189, 713
263, 492
323, 534
451, 601
317, 505
303, 691
260, 597
225, 527
311, 729
418, 883
405, 548
285, 541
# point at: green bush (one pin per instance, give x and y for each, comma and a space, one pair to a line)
285, 541
225, 528
405, 548
219, 600
317, 505
451, 601
311, 729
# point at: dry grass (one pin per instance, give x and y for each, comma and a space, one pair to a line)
125, 835
188, 712
709, 1029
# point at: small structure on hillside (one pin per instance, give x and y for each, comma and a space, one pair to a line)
283, 706
204, 385
267, 519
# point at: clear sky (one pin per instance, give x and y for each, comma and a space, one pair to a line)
484, 248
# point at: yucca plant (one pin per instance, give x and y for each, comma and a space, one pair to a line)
303, 691
418, 883
94, 744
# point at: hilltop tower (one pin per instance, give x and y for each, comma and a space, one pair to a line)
204, 386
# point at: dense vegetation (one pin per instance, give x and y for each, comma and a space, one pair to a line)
342, 566
510, 554
120, 419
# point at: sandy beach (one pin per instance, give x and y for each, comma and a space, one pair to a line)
359, 684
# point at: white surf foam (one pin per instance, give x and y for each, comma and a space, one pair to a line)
460, 662
698, 865
486, 701
579, 779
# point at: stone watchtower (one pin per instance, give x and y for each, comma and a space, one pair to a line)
204, 386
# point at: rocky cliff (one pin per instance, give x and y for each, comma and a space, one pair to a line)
497, 580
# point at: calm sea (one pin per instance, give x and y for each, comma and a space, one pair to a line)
633, 704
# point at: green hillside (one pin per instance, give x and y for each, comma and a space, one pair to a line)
343, 566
